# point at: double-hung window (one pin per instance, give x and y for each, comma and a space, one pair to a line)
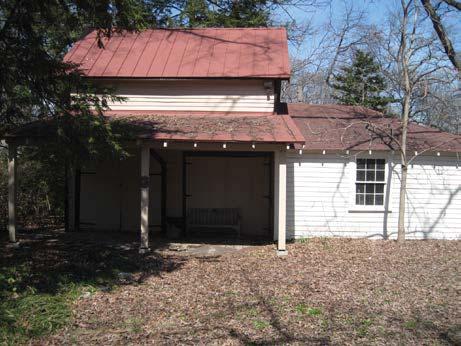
369, 182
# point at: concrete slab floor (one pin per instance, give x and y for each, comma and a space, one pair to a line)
204, 249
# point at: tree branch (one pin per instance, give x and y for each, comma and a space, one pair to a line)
453, 3
442, 34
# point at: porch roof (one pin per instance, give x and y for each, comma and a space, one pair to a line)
209, 126
188, 127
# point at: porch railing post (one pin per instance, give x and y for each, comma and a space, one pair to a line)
280, 186
145, 165
12, 149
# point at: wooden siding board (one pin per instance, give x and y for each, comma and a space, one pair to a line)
319, 200
229, 96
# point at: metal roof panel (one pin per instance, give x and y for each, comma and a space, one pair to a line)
185, 53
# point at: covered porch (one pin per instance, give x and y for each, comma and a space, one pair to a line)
230, 195
190, 181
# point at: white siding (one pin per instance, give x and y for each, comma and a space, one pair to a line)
321, 189
196, 95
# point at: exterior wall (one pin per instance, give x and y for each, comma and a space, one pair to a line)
110, 195
110, 190
321, 192
194, 95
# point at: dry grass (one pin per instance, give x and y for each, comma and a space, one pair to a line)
326, 291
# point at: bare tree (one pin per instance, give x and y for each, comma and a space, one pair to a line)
442, 32
331, 44
415, 66
403, 57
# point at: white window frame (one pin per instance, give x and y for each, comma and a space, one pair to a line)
369, 208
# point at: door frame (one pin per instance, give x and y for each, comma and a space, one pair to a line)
230, 154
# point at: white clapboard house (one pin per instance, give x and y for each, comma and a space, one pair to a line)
218, 152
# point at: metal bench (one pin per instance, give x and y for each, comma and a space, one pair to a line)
213, 218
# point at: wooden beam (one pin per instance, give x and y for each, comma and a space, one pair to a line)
280, 188
12, 192
145, 167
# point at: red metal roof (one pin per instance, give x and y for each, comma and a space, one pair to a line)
185, 53
339, 127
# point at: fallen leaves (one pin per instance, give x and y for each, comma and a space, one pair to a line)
326, 291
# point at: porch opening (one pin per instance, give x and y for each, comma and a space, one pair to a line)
227, 194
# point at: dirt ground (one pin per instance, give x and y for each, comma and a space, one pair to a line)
326, 291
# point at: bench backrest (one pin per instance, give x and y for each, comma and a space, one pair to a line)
213, 216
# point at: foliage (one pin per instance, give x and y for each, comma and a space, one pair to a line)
34, 35
40, 195
226, 13
362, 83
40, 282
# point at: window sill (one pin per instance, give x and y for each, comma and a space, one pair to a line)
356, 209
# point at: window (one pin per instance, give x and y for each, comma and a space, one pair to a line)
369, 185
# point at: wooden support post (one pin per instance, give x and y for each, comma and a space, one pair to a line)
280, 188
184, 194
12, 192
77, 199
145, 167
70, 197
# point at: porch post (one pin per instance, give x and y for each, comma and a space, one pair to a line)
145, 165
280, 188
70, 197
12, 192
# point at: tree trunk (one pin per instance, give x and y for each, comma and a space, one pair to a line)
404, 62
402, 201
404, 164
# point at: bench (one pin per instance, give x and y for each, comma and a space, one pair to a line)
213, 218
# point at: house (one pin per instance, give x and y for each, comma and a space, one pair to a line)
346, 182
214, 147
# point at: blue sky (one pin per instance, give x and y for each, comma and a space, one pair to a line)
375, 11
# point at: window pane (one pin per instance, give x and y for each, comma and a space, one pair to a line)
369, 199
370, 171
370, 164
370, 175
370, 188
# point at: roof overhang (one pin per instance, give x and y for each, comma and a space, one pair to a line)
187, 127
